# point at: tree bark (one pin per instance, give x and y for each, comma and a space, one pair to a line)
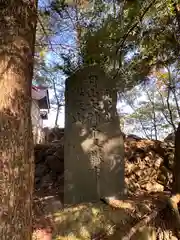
17, 38
94, 149
176, 169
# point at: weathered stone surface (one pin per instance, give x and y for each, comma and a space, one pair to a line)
94, 154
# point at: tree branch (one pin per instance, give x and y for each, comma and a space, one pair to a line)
120, 46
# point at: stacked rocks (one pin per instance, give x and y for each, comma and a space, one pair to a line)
148, 164
49, 165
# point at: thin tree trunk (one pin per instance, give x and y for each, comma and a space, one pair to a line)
165, 116
169, 109
17, 38
154, 116
141, 123
176, 100
57, 115
172, 87
57, 103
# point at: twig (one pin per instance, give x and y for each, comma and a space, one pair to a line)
171, 202
142, 223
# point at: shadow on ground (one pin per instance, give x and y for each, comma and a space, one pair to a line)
97, 221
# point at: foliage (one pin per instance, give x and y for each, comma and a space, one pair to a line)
134, 41
154, 112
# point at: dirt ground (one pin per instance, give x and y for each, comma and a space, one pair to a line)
120, 220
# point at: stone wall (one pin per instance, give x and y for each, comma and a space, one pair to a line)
148, 166
49, 169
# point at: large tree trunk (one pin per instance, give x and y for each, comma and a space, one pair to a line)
94, 164
176, 169
17, 37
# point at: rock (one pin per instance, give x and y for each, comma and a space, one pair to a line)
37, 181
158, 162
146, 233
170, 137
170, 160
162, 179
49, 166
132, 136
53, 134
146, 166
153, 187
52, 204
54, 164
39, 152
46, 181
59, 153
40, 170
51, 150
